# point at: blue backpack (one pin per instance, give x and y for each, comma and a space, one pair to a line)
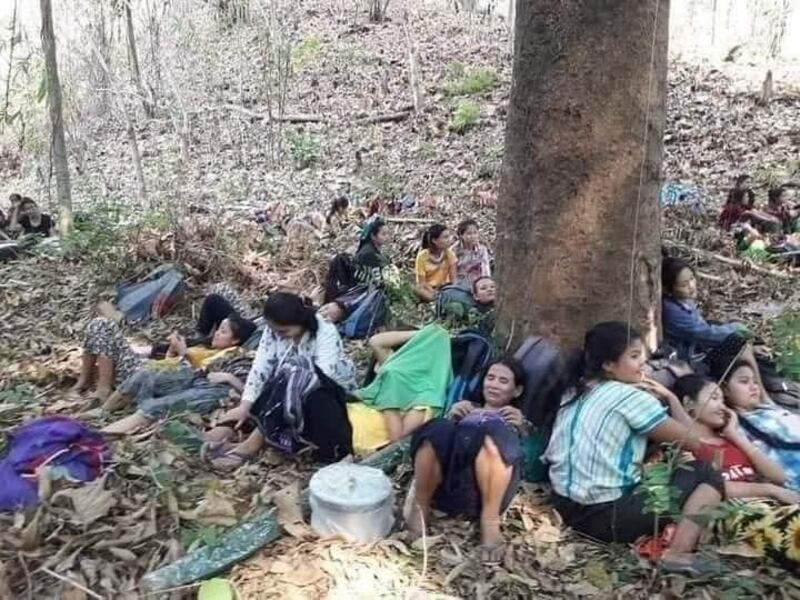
454, 301
370, 313
472, 354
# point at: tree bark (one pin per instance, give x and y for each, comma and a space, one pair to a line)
578, 235
133, 57
58, 145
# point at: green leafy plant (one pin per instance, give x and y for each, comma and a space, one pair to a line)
786, 331
466, 82
465, 116
304, 148
306, 52
19, 394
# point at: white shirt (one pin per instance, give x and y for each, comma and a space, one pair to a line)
325, 349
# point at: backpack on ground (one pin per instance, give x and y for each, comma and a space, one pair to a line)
370, 313
454, 301
154, 296
542, 361
472, 353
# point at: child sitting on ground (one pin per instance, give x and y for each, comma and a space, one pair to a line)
473, 257
435, 265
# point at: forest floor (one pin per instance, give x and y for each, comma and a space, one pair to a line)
157, 501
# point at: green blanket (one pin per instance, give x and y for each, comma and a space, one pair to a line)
416, 375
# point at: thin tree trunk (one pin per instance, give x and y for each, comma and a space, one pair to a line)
12, 43
58, 145
130, 131
413, 70
133, 58
578, 237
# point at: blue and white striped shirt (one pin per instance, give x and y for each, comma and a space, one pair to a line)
598, 442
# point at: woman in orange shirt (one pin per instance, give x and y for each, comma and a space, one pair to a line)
436, 262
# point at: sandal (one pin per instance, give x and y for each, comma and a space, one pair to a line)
696, 567
491, 555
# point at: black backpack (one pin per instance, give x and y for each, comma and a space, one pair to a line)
542, 362
472, 353
341, 276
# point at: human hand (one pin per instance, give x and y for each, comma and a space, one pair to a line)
784, 495
177, 344
218, 377
237, 415
651, 386
731, 429
461, 409
512, 416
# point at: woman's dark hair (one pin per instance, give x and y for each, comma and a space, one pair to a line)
690, 386
671, 268
513, 365
338, 205
15, 198
283, 308
241, 328
738, 364
466, 224
605, 342
432, 233
774, 194
25, 202
478, 280
371, 229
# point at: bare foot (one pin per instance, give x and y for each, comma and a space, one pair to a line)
416, 514
490, 531
115, 401
80, 386
101, 394
220, 433
129, 424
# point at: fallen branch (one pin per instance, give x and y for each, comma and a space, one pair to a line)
384, 118
407, 220
733, 262
289, 118
71, 582
313, 118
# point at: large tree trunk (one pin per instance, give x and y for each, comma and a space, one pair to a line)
58, 146
578, 237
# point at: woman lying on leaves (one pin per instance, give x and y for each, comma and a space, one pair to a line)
470, 463
773, 429
298, 382
770, 519
409, 389
109, 358
165, 386
598, 445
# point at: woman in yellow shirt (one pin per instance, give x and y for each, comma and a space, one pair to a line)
436, 262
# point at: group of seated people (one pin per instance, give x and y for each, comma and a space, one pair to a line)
24, 218
284, 380
771, 229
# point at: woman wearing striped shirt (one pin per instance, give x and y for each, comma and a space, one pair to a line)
598, 446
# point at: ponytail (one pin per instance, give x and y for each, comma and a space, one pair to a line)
283, 308
432, 233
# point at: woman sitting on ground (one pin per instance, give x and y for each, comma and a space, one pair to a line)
367, 272
696, 341
773, 429
748, 471
472, 256
786, 217
470, 463
30, 220
160, 389
299, 343
598, 445
435, 265
108, 357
